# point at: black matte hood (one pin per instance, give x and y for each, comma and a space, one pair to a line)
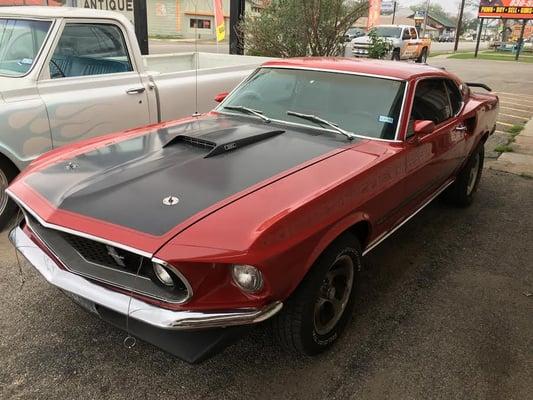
200, 163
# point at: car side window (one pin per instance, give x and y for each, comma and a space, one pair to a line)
431, 101
413, 33
456, 98
406, 35
90, 49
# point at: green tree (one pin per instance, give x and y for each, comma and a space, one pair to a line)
379, 47
293, 28
435, 9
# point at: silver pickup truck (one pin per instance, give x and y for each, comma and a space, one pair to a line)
67, 74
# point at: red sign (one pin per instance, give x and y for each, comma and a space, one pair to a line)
514, 9
373, 13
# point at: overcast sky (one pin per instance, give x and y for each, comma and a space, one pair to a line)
452, 6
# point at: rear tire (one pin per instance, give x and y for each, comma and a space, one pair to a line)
315, 315
461, 192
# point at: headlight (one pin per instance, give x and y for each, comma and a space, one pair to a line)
247, 277
163, 275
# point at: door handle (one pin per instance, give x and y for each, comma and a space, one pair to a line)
461, 128
136, 91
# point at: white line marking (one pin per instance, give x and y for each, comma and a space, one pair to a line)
504, 123
514, 94
516, 104
517, 109
505, 133
514, 116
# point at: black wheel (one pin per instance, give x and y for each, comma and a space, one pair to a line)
396, 55
423, 56
316, 314
7, 206
461, 192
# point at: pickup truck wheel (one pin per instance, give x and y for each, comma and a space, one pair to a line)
423, 56
7, 206
461, 192
316, 314
396, 55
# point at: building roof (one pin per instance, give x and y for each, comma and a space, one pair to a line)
392, 69
60, 12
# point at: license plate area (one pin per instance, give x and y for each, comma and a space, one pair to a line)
82, 302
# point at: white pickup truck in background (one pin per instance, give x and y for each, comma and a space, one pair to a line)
67, 74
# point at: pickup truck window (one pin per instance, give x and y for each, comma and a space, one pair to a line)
90, 49
367, 106
20, 43
389, 31
413, 33
431, 101
406, 34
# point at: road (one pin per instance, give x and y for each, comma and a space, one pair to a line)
443, 314
170, 46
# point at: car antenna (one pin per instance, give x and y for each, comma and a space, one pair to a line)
196, 60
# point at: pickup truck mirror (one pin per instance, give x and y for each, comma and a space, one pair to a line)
423, 127
221, 96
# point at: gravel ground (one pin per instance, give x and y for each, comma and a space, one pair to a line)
443, 315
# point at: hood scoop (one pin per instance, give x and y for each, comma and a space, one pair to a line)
225, 140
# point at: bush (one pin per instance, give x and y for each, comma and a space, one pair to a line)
379, 47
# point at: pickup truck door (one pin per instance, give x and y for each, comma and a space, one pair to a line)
411, 44
90, 85
430, 160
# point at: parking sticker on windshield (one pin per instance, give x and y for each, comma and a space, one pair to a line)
386, 120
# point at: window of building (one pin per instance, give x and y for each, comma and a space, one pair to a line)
200, 23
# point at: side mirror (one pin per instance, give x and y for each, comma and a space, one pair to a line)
221, 96
423, 127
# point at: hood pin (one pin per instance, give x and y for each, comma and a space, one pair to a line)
71, 165
171, 201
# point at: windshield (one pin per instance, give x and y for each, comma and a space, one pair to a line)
366, 106
388, 31
20, 42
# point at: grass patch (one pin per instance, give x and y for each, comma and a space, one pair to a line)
515, 130
166, 36
503, 148
492, 55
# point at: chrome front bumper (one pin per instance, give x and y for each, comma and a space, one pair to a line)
120, 303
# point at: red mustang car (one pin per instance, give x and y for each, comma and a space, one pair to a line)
186, 232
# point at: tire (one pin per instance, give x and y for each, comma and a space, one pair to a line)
8, 172
396, 55
423, 56
309, 322
461, 192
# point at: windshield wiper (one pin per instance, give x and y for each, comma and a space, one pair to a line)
317, 119
250, 111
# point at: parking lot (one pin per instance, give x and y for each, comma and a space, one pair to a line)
445, 312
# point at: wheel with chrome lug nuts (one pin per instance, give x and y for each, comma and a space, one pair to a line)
315, 315
461, 192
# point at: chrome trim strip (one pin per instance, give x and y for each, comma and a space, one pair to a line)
73, 231
381, 238
180, 275
122, 303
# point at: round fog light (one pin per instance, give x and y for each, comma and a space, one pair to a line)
163, 275
247, 277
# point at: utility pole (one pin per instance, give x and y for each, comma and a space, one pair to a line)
521, 40
394, 12
236, 14
478, 39
425, 19
140, 20
459, 26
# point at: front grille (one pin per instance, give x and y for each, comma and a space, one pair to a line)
102, 254
108, 264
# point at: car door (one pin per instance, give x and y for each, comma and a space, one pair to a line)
431, 160
90, 85
412, 44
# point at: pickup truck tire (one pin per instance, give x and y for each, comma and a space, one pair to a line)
315, 315
7, 206
461, 192
396, 55
422, 59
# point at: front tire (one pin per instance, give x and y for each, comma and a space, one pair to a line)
461, 192
316, 314
396, 55
8, 172
423, 56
